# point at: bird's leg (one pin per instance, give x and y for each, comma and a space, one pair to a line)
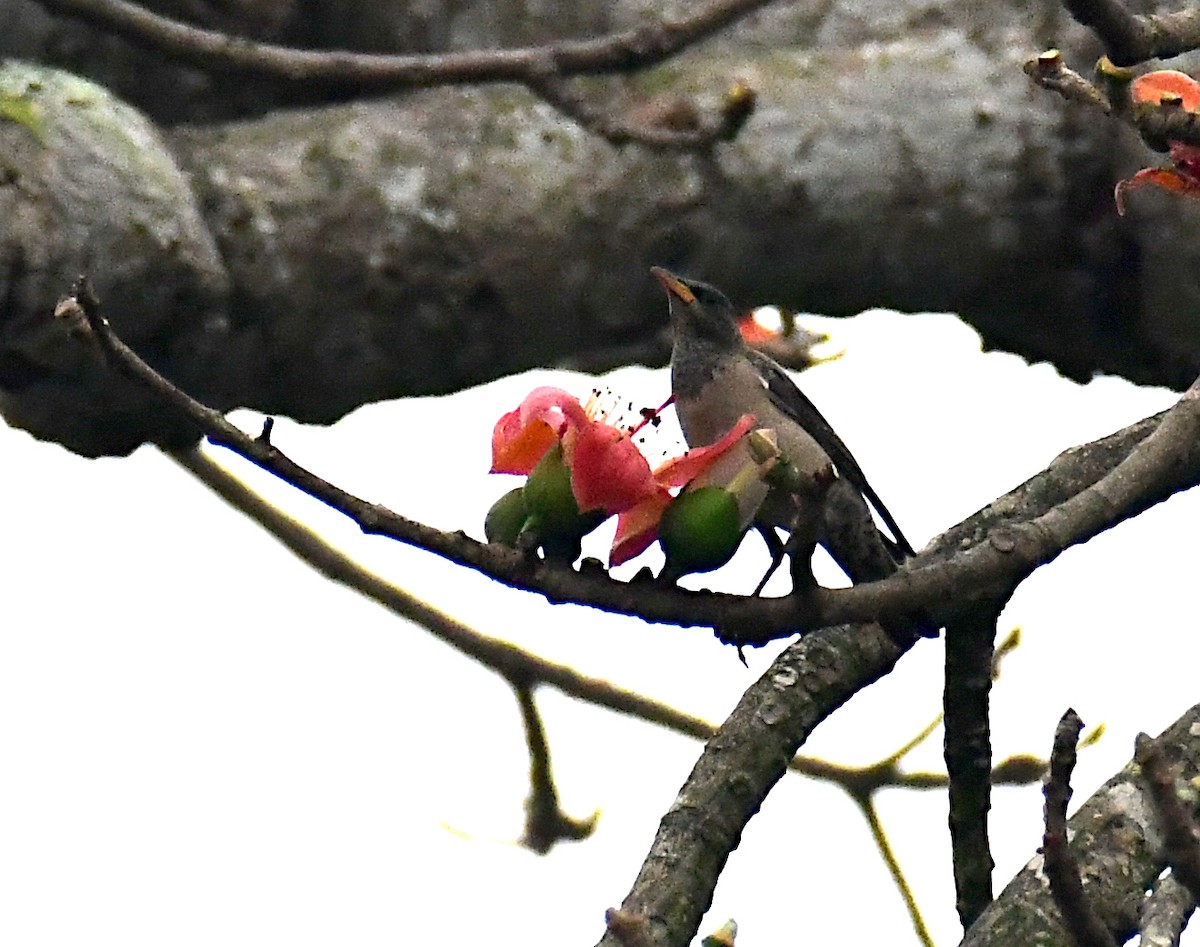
801, 554
801, 565
776, 548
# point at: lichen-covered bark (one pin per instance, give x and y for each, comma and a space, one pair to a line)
1118, 843
88, 186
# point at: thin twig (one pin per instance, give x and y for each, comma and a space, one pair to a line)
675, 125
862, 784
884, 846
545, 823
508, 660
1050, 72
616, 52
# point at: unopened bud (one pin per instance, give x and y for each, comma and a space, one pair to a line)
548, 494
700, 530
763, 444
554, 516
507, 517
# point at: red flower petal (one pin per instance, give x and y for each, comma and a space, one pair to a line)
679, 471
637, 527
1186, 159
554, 406
517, 447
1152, 86
523, 435
1168, 179
607, 470
753, 331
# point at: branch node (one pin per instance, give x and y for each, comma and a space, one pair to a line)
630, 930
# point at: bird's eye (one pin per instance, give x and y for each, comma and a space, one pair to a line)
708, 296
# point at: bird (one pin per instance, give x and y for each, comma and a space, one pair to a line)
715, 379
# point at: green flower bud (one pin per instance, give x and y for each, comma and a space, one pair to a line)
700, 530
507, 518
554, 515
548, 495
774, 468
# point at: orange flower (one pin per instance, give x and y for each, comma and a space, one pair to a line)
1183, 176
608, 472
1152, 86
523, 435
753, 332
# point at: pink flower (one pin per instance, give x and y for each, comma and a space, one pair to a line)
1183, 176
608, 472
637, 527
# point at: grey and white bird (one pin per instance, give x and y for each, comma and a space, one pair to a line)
716, 378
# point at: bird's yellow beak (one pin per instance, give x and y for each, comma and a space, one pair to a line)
673, 285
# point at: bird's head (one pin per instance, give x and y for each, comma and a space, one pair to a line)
699, 310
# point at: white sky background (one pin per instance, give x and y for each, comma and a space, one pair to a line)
204, 743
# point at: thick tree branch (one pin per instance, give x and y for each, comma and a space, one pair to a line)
1130, 39
616, 52
805, 684
1166, 913
1117, 841
1010, 539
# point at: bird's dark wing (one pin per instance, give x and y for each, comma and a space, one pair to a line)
795, 404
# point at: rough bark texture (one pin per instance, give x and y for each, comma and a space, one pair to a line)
1115, 837
425, 242
740, 764
87, 186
